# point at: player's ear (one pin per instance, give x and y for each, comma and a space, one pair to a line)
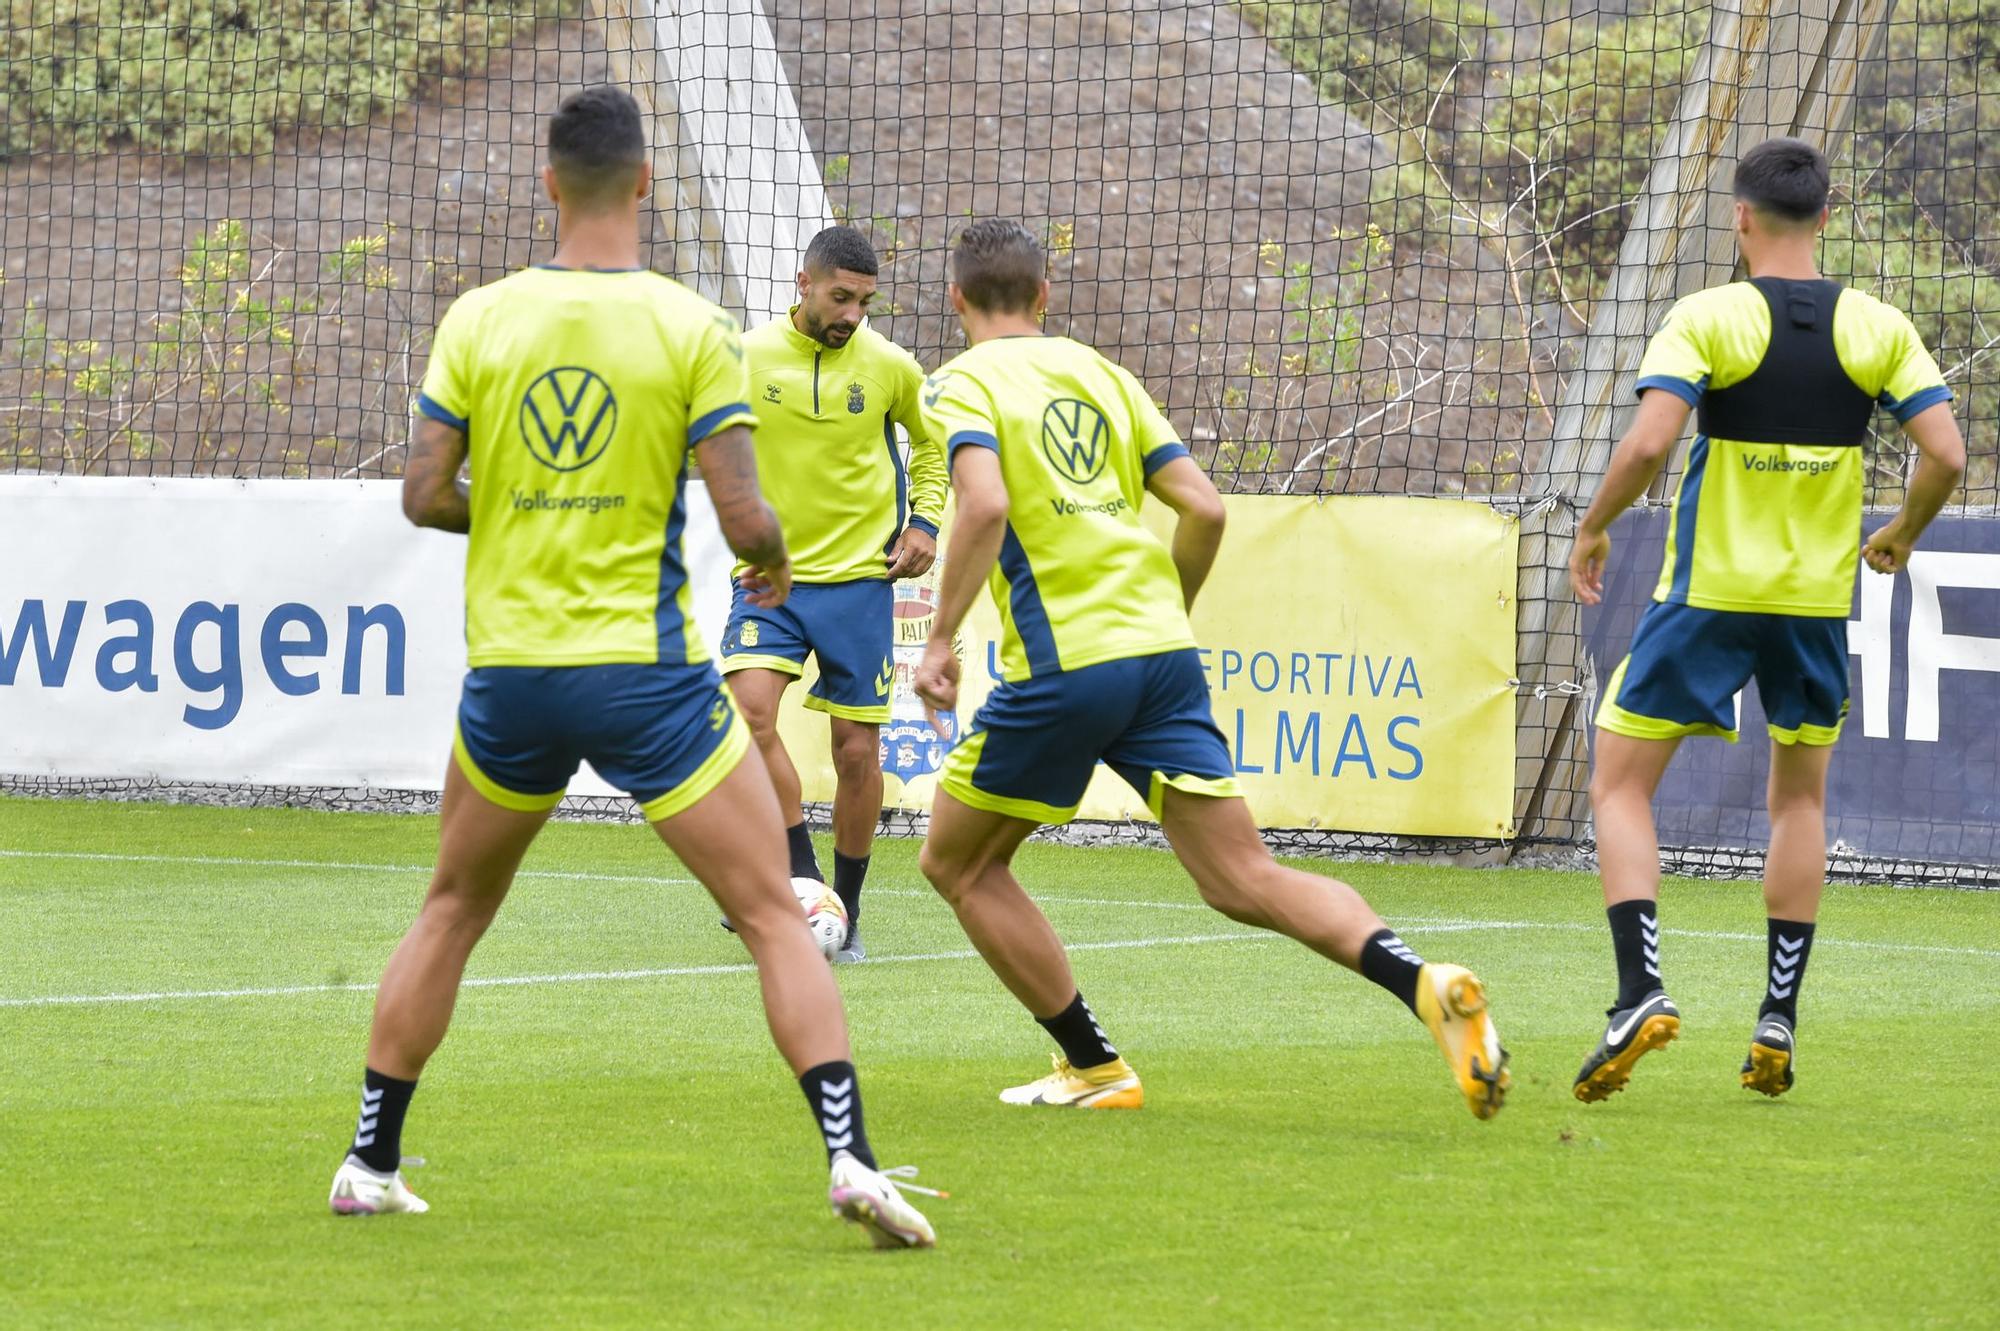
957, 299
1743, 211
645, 179
1824, 214
805, 286
1042, 299
549, 183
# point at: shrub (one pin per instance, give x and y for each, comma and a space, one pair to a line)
213, 77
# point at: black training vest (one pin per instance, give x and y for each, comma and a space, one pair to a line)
1799, 393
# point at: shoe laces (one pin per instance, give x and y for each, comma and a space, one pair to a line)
899, 1177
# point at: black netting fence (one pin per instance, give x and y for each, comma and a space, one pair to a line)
1355, 248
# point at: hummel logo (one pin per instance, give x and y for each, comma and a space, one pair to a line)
836, 1088
371, 1114
829, 1105
1649, 937
885, 679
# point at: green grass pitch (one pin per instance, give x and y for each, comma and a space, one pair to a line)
612, 1141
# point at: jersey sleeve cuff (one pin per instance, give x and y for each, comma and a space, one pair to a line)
1920, 401
924, 525
977, 438
437, 411
1164, 454
736, 413
1689, 393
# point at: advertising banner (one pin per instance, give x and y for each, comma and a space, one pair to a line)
1360, 652
1916, 774
272, 632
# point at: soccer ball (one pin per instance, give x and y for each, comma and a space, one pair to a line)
826, 917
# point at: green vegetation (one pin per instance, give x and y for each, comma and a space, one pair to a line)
1389, 57
217, 77
610, 1151
246, 333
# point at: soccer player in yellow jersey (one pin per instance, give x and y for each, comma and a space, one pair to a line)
1053, 448
579, 389
830, 393
1784, 371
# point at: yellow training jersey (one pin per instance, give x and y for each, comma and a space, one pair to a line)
582, 393
1079, 581
827, 456
1785, 374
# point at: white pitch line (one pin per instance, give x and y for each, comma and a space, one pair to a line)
589, 977
1452, 925
226, 861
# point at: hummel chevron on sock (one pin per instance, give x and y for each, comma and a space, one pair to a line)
378, 1137
1635, 939
834, 1094
1787, 944
1389, 962
804, 863
848, 873
1075, 1028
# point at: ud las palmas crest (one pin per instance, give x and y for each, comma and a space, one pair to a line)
910, 748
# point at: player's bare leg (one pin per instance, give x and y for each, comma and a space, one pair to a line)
1217, 841
1622, 783
966, 858
1642, 1018
1794, 877
857, 810
480, 845
758, 693
730, 840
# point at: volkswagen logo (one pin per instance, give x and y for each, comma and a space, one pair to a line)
1076, 439
568, 417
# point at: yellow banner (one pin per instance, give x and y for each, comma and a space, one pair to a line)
1360, 653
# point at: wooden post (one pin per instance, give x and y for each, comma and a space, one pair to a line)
1770, 67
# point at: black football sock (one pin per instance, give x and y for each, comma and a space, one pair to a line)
1075, 1028
834, 1095
378, 1137
1787, 945
848, 872
804, 863
1635, 939
1389, 962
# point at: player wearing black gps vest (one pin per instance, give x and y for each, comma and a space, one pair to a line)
1785, 371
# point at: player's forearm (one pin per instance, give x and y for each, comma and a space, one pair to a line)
1197, 540
976, 536
1628, 477
754, 535
1940, 465
1936, 478
929, 482
749, 525
433, 495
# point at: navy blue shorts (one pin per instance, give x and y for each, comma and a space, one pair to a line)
1688, 664
665, 734
849, 626
1031, 748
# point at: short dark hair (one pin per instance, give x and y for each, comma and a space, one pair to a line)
1786, 178
841, 247
597, 143
999, 266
